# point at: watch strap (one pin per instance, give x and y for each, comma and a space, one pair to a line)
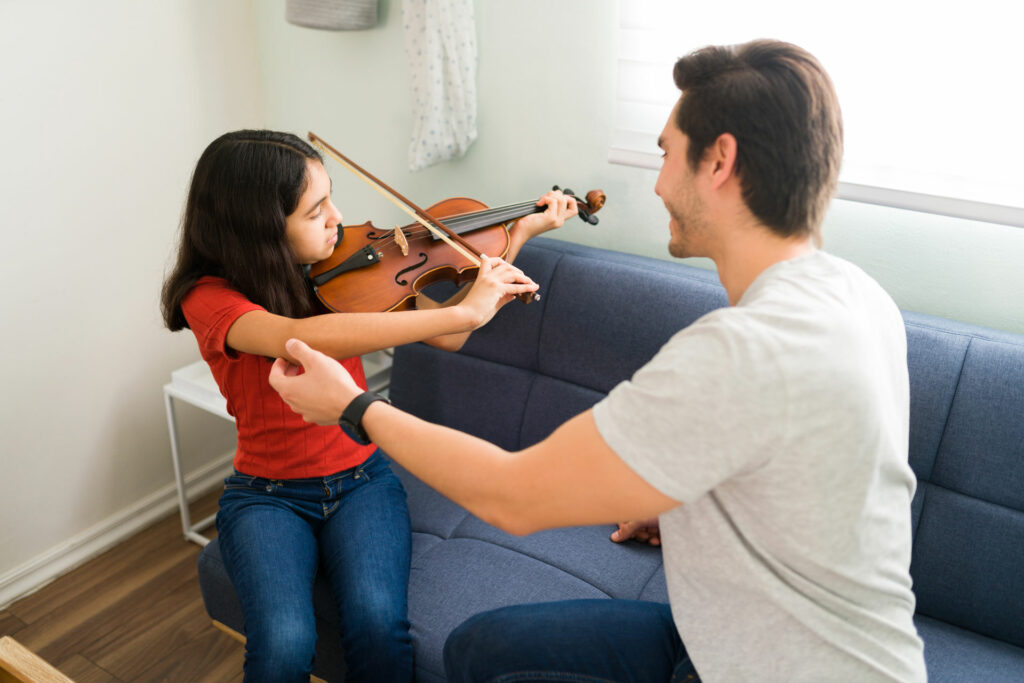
351, 420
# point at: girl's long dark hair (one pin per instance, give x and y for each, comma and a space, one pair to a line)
245, 184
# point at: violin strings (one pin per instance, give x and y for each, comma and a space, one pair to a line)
495, 215
491, 216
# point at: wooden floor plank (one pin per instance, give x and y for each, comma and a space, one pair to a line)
153, 632
133, 614
212, 657
10, 624
73, 609
81, 670
124, 559
124, 617
126, 556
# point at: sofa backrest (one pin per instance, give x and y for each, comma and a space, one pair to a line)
967, 449
604, 314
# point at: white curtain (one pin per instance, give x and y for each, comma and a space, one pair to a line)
440, 43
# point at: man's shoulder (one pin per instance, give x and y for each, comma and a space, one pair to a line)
821, 285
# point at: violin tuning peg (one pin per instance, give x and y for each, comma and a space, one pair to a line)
586, 216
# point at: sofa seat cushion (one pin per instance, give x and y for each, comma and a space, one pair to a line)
953, 654
462, 566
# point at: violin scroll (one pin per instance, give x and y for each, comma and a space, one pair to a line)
587, 207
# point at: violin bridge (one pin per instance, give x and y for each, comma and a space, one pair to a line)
401, 241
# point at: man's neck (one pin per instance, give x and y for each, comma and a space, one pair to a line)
741, 260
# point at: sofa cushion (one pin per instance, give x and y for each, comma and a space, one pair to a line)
982, 449
462, 566
968, 564
967, 449
955, 655
935, 357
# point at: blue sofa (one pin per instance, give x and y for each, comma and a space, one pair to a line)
602, 315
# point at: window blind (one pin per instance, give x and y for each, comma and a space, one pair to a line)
932, 107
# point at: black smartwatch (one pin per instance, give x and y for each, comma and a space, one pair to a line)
351, 421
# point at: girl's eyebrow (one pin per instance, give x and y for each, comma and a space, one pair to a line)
315, 206
322, 199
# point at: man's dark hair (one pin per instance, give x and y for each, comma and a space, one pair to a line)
780, 105
245, 185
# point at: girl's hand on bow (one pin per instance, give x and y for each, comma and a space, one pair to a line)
497, 283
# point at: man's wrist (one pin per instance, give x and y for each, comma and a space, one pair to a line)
343, 399
351, 419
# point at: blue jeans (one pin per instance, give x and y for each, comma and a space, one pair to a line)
353, 526
584, 641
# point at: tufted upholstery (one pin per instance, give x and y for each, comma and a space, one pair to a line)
601, 316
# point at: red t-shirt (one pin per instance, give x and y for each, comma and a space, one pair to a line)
273, 441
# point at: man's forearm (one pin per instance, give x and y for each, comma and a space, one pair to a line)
468, 470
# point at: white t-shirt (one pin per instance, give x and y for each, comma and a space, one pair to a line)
781, 424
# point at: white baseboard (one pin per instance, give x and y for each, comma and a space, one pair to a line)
42, 569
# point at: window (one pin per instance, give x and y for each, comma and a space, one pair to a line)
933, 110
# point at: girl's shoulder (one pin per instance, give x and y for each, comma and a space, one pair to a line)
212, 287
212, 281
215, 297
211, 307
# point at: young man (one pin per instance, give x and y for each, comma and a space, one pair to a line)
769, 437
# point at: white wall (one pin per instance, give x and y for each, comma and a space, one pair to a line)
105, 107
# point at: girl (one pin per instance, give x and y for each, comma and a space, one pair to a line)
304, 497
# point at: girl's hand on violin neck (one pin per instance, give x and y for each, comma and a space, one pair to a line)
497, 283
560, 208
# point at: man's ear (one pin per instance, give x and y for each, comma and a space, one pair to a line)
721, 159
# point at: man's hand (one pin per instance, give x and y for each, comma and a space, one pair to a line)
319, 390
645, 531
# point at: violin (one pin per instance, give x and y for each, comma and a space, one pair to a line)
373, 269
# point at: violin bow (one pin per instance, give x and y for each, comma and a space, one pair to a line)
442, 231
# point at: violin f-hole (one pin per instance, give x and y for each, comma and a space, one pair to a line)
403, 271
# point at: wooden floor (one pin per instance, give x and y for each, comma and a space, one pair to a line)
133, 614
